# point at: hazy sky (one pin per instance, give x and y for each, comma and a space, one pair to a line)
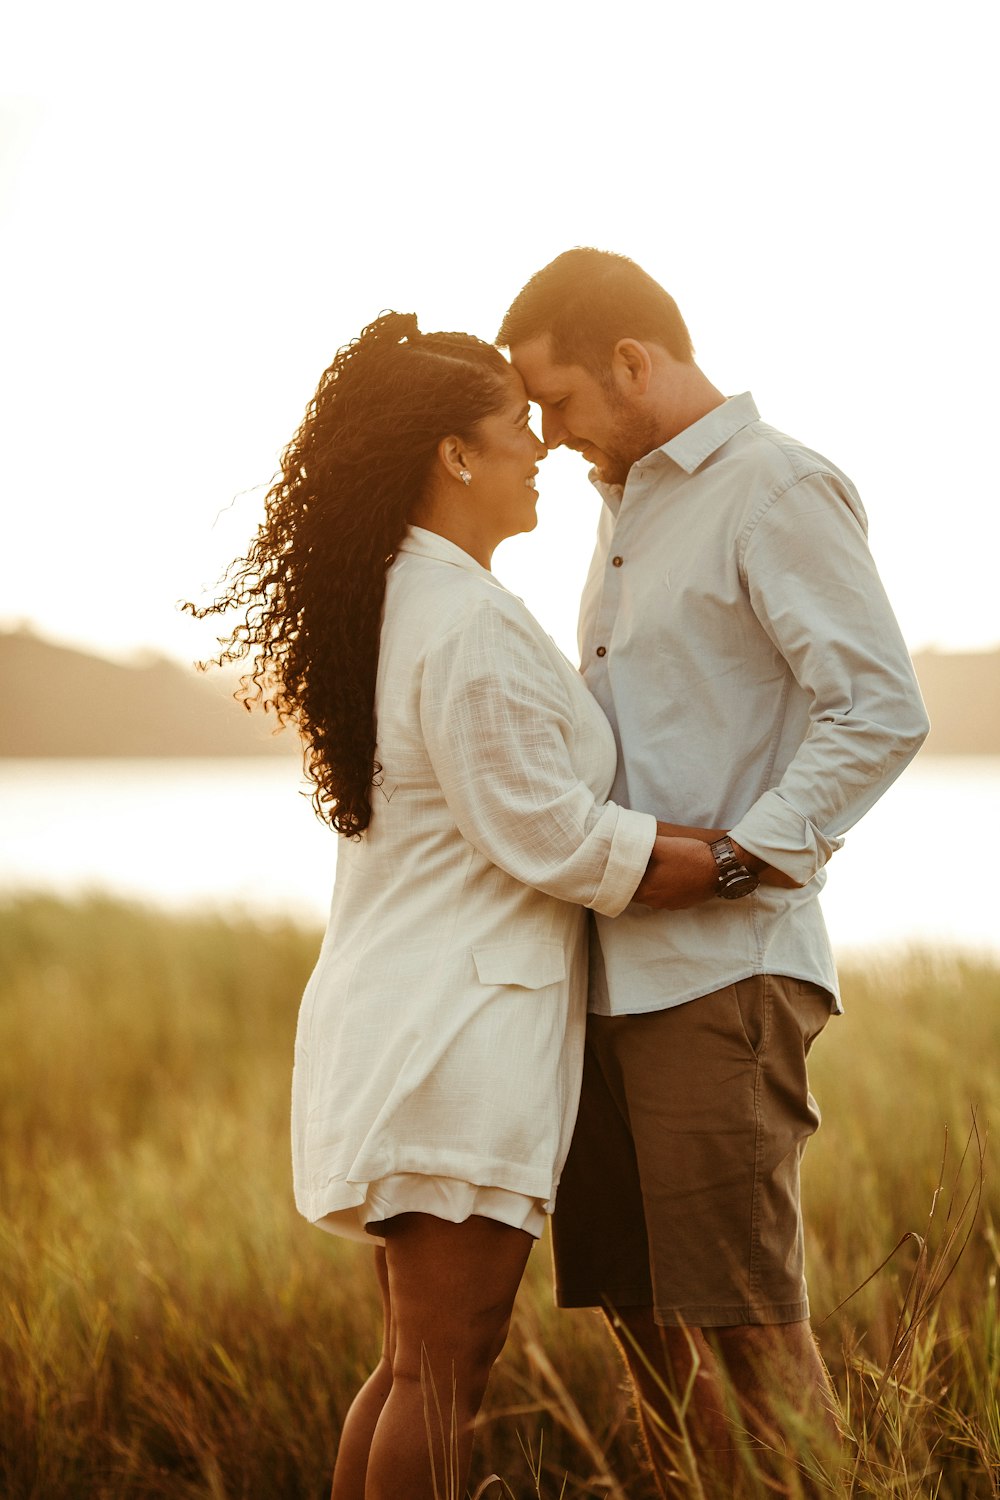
198, 204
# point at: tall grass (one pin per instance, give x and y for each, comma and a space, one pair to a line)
168, 1326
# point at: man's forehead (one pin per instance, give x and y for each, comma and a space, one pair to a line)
539, 371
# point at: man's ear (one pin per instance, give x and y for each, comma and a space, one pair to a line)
631, 367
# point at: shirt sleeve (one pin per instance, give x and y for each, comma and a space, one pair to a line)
815, 590
498, 726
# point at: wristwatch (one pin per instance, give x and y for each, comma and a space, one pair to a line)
734, 879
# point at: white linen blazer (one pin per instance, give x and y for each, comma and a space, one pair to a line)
441, 1032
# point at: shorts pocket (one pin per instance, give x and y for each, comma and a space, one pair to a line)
815, 1007
751, 998
529, 964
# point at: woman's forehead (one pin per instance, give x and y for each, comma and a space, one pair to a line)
518, 392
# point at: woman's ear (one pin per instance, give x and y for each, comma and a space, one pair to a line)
453, 456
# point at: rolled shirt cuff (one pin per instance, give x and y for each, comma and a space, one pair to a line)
783, 837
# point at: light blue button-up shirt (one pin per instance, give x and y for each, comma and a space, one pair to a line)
737, 635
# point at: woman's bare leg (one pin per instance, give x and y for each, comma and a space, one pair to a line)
452, 1289
366, 1408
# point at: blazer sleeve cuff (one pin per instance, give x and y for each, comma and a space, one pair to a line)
631, 845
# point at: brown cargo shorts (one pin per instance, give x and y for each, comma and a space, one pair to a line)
681, 1191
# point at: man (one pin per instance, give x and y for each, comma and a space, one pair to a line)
735, 631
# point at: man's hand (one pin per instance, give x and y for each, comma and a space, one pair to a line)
681, 872
768, 874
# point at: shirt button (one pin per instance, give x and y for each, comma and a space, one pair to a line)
616, 562
602, 650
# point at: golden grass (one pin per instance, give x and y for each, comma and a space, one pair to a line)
170, 1327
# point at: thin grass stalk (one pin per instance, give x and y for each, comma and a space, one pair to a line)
922, 1294
567, 1413
449, 1442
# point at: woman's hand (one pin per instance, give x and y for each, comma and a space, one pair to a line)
681, 872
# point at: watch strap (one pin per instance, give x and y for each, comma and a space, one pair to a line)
734, 879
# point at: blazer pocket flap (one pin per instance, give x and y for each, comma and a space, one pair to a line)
532, 965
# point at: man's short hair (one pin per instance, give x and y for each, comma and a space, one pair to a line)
586, 300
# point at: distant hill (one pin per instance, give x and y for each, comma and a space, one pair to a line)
55, 701
962, 693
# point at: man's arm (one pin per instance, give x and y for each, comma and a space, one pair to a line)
815, 590
682, 872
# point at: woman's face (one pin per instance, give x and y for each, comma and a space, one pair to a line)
504, 459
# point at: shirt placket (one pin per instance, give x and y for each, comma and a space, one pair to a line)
596, 668
621, 551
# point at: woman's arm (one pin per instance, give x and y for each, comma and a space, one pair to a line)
499, 726
683, 831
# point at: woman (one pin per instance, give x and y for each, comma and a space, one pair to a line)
439, 1044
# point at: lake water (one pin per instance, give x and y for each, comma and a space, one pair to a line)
240, 835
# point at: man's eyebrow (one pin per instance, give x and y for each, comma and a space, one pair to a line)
525, 411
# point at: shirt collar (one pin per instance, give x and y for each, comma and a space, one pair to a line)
422, 543
690, 448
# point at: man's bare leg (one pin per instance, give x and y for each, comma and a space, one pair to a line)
680, 1400
776, 1373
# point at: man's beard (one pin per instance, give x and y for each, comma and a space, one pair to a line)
633, 435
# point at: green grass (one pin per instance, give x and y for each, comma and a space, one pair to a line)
170, 1327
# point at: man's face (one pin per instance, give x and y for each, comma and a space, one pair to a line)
581, 412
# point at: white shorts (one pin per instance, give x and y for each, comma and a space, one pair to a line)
448, 1198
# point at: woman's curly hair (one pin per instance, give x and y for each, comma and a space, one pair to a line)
312, 586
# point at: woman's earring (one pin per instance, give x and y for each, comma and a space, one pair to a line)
465, 476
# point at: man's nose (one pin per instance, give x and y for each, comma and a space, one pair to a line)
554, 432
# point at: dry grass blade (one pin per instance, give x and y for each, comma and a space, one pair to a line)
933, 1269
486, 1484
566, 1412
932, 1272
910, 1234
438, 1440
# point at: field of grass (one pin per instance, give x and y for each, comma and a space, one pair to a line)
170, 1327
